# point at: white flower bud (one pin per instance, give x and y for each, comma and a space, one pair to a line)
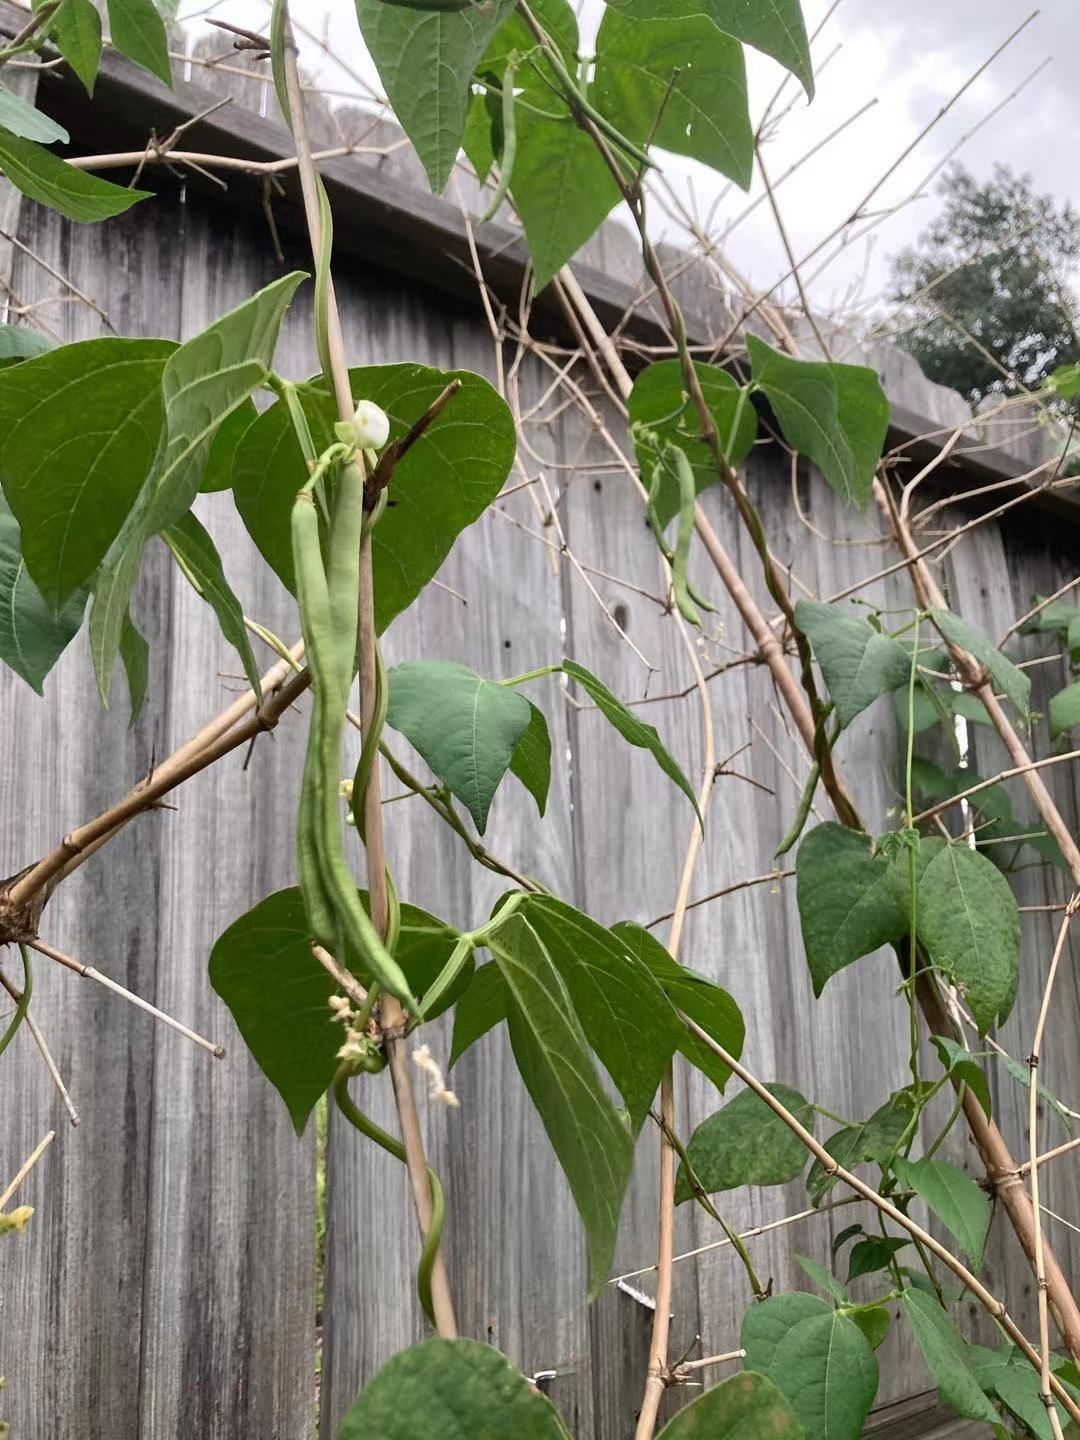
372, 426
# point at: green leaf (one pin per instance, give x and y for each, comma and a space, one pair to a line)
75, 30
592, 1141
20, 118
859, 663
135, 658
1020, 1387
220, 462
837, 415
627, 1019
440, 487
703, 113
79, 430
871, 1255
203, 382
744, 1407
480, 1009
873, 1321
443, 1388
464, 726
425, 60
944, 1351
659, 404
823, 1279
561, 188
634, 731
198, 558
818, 1358
19, 342
746, 1143
765, 1324
775, 27
1064, 710
44, 177
530, 759
31, 638
138, 31
705, 1003
969, 925
960, 1066
954, 1198
848, 903
278, 993
1013, 683
874, 1140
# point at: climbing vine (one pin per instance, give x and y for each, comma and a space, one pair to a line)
105, 446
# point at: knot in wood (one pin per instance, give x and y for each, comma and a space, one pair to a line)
19, 923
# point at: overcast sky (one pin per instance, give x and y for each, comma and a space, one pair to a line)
911, 58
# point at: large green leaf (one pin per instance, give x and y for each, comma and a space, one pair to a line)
827, 1369
138, 31
775, 27
627, 1019
425, 60
464, 726
31, 638
874, 1140
19, 342
561, 187
79, 430
480, 1009
766, 1323
858, 661
836, 415
218, 471
447, 1388
954, 1198
530, 759
18, 117
204, 381
705, 1003
440, 487
747, 1143
592, 1141
1006, 677
634, 731
263, 968
1064, 710
702, 112
744, 1407
848, 902
1019, 1386
75, 30
198, 558
944, 1351
44, 177
658, 403
969, 925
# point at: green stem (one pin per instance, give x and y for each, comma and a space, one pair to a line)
23, 1002
913, 999
533, 675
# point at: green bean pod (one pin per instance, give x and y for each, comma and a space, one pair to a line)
509, 146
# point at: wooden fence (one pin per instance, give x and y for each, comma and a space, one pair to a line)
167, 1285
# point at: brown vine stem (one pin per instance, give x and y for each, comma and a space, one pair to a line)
989, 1301
391, 1014
1033, 1146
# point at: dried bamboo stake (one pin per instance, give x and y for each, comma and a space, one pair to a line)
1045, 1393
27, 1165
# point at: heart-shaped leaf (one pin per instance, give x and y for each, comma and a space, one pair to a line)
954, 1198
859, 663
747, 1143
744, 1407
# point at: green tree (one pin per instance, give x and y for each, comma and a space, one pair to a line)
986, 292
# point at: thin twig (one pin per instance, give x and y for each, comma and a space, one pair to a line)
27, 1165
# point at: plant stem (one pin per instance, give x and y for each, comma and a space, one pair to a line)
392, 1016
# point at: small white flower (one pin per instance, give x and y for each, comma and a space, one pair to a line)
355, 1047
437, 1091
341, 1008
372, 426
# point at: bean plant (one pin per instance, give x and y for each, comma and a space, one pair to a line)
354, 486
